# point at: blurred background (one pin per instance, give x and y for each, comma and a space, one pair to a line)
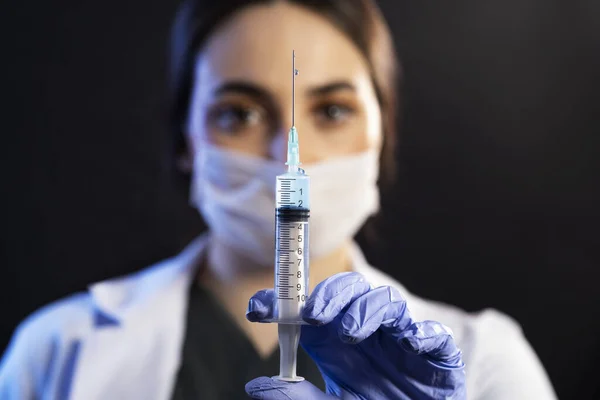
498, 201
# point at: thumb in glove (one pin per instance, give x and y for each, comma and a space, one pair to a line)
264, 388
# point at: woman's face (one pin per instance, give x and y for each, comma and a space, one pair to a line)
242, 96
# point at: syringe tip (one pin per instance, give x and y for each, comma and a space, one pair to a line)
293, 136
293, 150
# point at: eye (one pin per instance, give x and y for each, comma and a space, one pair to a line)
333, 113
235, 118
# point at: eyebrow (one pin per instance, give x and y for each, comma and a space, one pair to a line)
330, 88
249, 89
241, 87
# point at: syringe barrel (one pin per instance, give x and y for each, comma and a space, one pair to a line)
291, 263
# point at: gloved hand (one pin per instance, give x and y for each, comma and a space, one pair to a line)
367, 346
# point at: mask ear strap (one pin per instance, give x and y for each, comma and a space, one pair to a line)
194, 196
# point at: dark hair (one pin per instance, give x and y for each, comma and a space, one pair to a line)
359, 20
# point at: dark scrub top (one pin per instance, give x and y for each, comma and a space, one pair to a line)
218, 359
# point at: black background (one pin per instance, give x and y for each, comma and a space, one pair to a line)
497, 205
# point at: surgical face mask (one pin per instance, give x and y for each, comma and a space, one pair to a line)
235, 193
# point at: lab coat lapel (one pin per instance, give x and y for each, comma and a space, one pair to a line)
134, 349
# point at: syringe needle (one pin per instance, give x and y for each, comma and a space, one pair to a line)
294, 73
293, 156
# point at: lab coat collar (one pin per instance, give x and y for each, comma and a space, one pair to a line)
117, 298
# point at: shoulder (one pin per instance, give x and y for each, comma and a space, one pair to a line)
75, 315
502, 362
57, 321
45, 340
69, 314
39, 341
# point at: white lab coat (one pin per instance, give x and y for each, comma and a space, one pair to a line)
123, 339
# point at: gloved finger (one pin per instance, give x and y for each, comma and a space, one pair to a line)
332, 295
260, 306
434, 340
381, 307
273, 389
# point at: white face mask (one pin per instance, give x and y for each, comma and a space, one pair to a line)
235, 193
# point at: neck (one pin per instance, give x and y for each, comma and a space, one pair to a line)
226, 267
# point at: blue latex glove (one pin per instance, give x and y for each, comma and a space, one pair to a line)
367, 346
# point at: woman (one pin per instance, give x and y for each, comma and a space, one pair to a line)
176, 329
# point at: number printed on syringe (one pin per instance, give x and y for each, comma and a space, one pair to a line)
291, 253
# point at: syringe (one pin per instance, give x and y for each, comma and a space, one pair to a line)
291, 250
